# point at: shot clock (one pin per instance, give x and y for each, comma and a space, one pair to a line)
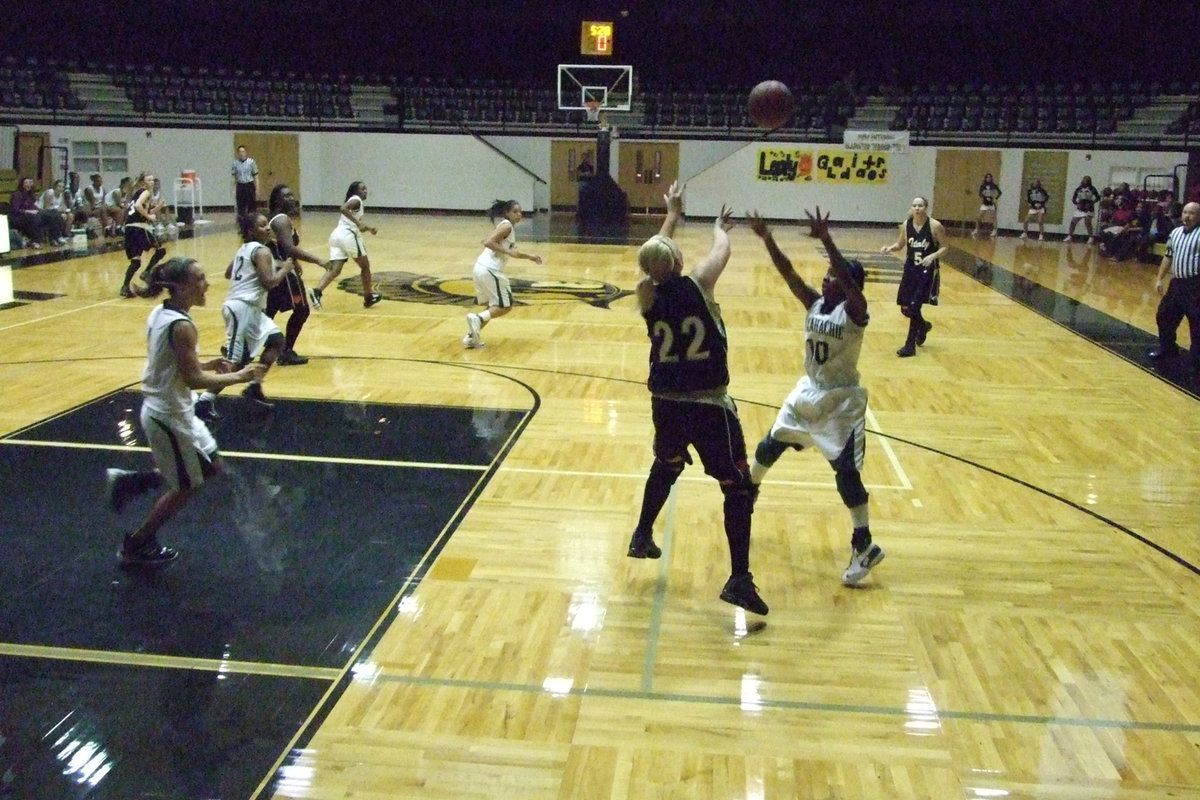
596, 38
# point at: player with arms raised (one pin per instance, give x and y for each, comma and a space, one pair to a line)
689, 392
828, 407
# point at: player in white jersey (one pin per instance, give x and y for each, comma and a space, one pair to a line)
492, 287
184, 451
248, 329
346, 242
828, 407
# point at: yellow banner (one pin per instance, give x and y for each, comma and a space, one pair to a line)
829, 166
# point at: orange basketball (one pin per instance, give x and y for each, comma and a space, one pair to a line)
771, 104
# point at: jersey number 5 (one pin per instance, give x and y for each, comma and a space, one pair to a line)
691, 331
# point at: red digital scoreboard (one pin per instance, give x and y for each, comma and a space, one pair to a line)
596, 38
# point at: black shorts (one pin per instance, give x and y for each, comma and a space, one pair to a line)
138, 241
714, 432
287, 295
919, 285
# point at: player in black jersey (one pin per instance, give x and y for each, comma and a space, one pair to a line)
689, 397
290, 294
921, 281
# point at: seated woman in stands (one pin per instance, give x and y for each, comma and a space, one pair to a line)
35, 224
1120, 237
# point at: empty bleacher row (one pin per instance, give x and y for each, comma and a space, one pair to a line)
1133, 112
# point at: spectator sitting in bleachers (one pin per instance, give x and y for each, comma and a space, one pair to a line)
1120, 237
57, 199
36, 225
91, 203
114, 204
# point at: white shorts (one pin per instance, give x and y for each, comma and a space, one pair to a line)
1081, 214
492, 287
1037, 212
987, 209
184, 450
247, 328
827, 418
345, 244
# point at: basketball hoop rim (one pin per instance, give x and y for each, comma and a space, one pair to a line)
592, 108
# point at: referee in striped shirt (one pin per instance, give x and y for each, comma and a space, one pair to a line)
1182, 298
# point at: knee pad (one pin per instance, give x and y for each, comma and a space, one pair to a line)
850, 487
666, 471
768, 451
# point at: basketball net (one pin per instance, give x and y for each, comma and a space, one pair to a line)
592, 108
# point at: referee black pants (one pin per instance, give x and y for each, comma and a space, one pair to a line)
1181, 301
247, 202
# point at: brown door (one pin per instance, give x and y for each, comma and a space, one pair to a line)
565, 155
33, 156
278, 158
956, 184
645, 172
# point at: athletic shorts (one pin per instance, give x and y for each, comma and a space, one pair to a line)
247, 329
184, 450
345, 244
1081, 214
714, 431
492, 287
824, 418
987, 208
1037, 212
138, 240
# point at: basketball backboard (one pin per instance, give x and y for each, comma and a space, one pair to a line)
610, 86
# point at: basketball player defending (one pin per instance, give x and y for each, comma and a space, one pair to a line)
689, 393
185, 453
828, 407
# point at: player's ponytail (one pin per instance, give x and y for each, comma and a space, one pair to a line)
499, 208
169, 275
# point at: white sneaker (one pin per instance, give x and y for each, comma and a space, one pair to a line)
1042, 238
472, 342
1067, 238
474, 325
314, 299
861, 563
1091, 240
1023, 236
993, 233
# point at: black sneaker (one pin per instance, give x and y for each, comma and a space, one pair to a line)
150, 555
126, 291
206, 410
372, 299
119, 488
254, 393
643, 547
906, 352
740, 591
925, 329
289, 358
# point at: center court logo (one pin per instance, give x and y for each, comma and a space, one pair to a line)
413, 288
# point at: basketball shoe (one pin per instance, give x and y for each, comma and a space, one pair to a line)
861, 562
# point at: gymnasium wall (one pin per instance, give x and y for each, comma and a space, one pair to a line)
460, 173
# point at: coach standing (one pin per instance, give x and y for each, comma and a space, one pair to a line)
1182, 298
245, 179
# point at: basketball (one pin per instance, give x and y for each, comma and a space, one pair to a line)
771, 105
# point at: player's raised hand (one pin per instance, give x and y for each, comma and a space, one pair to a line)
725, 220
674, 196
818, 226
758, 225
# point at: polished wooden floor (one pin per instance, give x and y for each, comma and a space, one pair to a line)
1033, 633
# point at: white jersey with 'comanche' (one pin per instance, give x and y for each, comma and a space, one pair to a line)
832, 342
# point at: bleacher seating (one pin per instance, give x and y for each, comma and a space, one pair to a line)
89, 92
